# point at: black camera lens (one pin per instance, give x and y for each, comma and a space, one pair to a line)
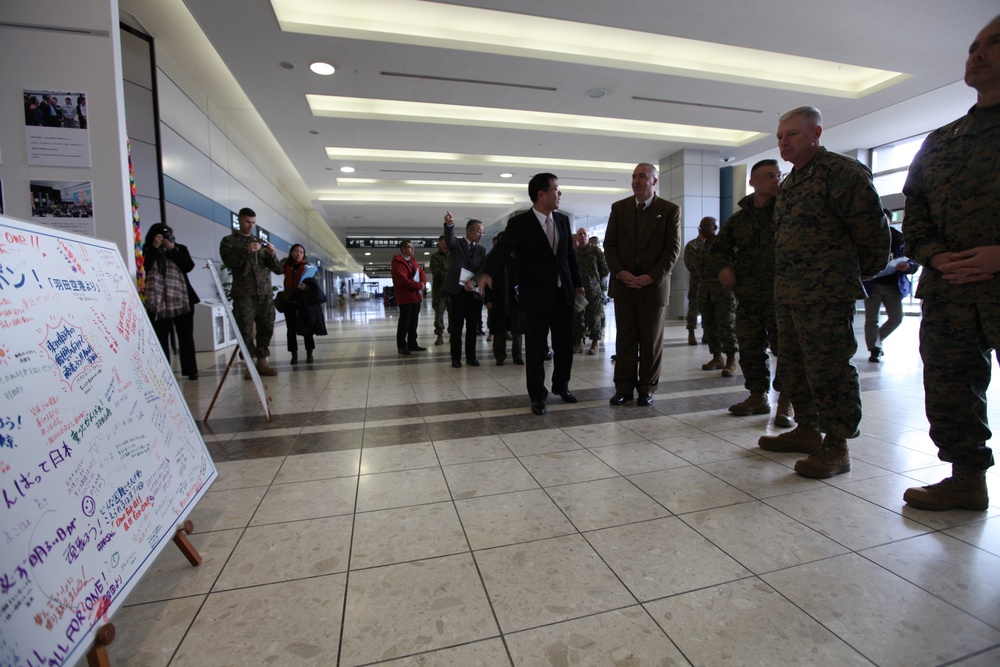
170, 237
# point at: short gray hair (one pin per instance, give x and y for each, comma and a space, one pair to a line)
810, 114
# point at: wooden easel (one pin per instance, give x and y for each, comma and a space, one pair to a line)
98, 654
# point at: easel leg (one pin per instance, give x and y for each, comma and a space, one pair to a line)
184, 544
221, 382
98, 655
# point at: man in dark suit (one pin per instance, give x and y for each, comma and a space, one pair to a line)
641, 246
464, 307
548, 282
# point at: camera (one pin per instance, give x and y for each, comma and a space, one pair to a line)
170, 237
264, 244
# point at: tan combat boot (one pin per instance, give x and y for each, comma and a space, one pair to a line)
805, 439
965, 489
829, 460
756, 404
439, 340
594, 346
692, 339
578, 346
730, 368
715, 364
784, 415
263, 369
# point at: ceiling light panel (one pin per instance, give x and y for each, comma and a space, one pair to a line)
430, 157
411, 183
486, 30
470, 116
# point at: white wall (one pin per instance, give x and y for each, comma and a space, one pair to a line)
86, 62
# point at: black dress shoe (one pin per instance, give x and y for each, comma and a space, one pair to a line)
500, 362
548, 356
644, 400
417, 348
566, 395
620, 397
538, 407
472, 362
401, 351
519, 362
456, 363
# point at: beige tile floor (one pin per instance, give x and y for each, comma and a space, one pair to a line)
401, 512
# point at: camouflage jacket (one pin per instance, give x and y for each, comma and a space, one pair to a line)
251, 271
593, 267
746, 244
439, 270
829, 231
953, 201
691, 252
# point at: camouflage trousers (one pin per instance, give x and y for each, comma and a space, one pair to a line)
756, 331
440, 304
817, 371
956, 345
693, 310
591, 318
718, 317
255, 320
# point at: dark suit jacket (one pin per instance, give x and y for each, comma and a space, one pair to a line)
458, 254
537, 265
651, 250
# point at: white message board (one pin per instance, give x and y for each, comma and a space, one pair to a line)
100, 459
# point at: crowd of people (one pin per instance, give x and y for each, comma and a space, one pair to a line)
781, 278
46, 111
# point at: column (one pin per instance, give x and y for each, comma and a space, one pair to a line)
690, 179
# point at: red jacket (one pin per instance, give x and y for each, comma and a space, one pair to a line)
407, 280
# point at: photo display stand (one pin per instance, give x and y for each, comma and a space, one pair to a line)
241, 348
101, 461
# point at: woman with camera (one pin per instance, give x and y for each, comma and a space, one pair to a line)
170, 299
301, 302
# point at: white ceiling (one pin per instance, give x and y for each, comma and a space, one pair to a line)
926, 39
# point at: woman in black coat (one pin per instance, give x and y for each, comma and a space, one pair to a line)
169, 297
303, 299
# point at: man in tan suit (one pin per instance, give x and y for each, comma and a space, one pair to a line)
641, 245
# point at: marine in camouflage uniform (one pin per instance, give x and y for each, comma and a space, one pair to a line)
829, 231
718, 307
439, 300
951, 228
251, 265
743, 257
691, 250
594, 269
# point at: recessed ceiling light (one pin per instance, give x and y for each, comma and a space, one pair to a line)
313, 131
367, 254
596, 93
506, 175
329, 106
547, 163
287, 65
420, 24
325, 69
347, 170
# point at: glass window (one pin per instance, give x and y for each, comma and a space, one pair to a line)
897, 154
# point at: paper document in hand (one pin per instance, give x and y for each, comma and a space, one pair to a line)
890, 268
580, 303
465, 276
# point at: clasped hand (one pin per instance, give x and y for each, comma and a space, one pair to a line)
968, 266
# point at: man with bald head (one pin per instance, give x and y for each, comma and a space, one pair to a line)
952, 203
829, 232
641, 245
